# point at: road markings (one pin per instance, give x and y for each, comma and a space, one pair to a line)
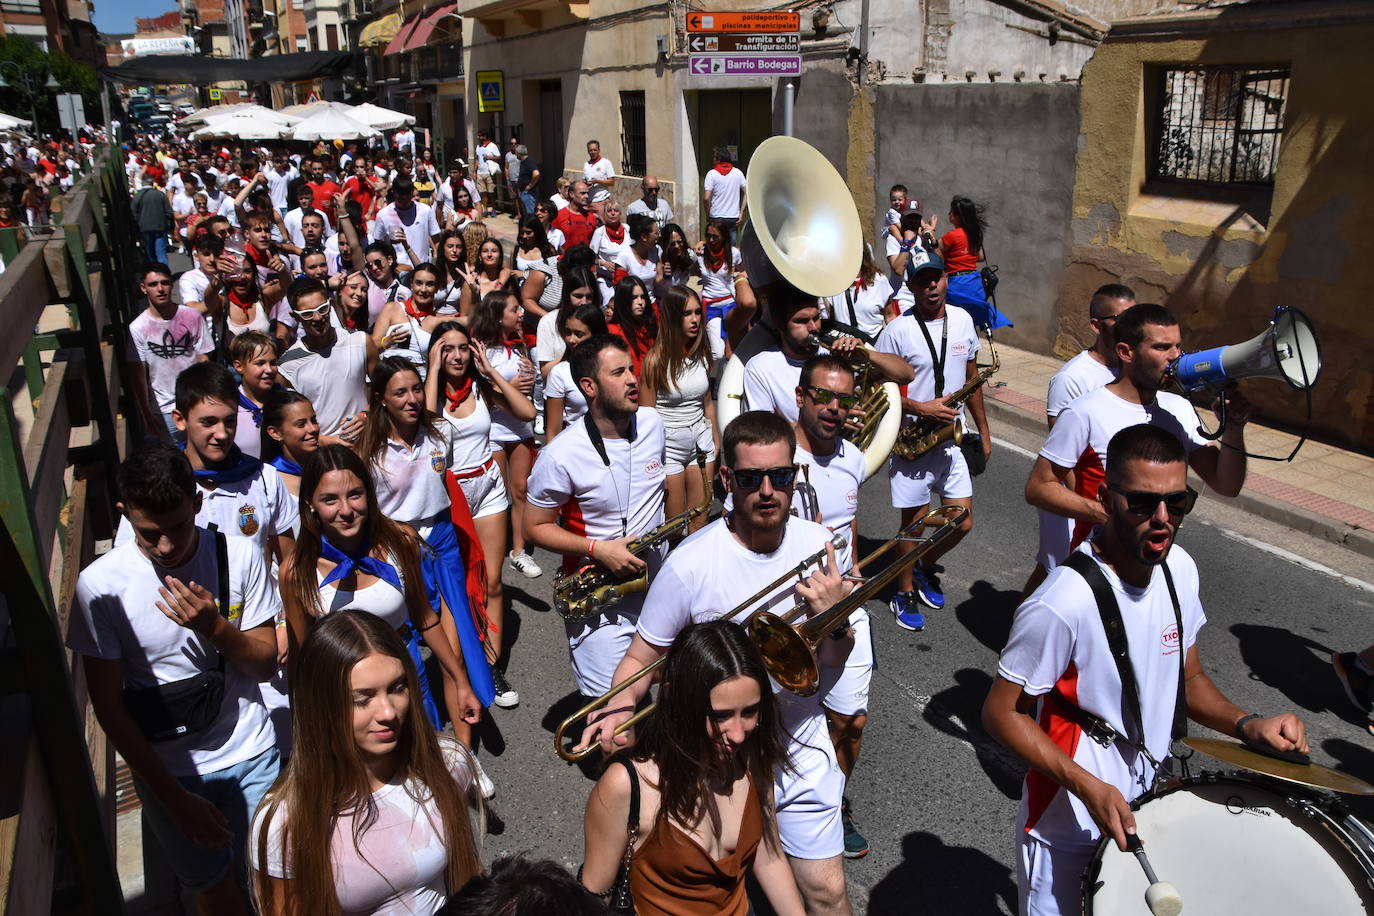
1297, 559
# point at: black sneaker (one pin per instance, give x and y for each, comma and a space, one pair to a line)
1357, 684
855, 844
506, 697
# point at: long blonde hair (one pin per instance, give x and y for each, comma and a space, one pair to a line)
326, 776
668, 358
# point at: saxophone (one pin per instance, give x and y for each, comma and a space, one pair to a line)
915, 439
594, 588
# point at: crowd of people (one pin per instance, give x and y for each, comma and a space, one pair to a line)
364, 408
34, 174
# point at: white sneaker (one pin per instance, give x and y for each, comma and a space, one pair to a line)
539, 425
484, 783
525, 565
506, 696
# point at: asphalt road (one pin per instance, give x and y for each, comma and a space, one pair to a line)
934, 794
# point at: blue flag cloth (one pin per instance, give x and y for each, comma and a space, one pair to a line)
366, 563
445, 575
966, 291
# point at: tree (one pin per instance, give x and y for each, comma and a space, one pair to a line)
37, 65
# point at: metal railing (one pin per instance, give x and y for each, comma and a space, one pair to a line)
66, 297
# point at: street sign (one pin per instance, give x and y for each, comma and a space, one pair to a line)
215, 94
744, 22
491, 90
71, 111
753, 43
746, 65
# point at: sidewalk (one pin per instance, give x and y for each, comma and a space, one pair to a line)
1325, 491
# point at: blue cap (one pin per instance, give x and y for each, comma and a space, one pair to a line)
934, 263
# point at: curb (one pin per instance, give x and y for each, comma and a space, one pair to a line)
1359, 540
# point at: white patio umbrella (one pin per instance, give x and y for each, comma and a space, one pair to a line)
306, 109
382, 118
333, 125
199, 116
10, 122
243, 125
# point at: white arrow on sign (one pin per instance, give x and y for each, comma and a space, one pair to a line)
701, 65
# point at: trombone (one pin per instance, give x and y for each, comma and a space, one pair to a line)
839, 541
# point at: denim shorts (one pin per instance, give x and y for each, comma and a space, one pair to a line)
235, 791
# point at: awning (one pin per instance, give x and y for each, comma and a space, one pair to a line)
398, 41
381, 31
425, 27
198, 70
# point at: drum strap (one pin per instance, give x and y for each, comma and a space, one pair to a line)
1110, 612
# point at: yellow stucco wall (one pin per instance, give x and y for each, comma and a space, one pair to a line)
1219, 269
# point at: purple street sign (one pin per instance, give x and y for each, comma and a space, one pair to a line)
745, 65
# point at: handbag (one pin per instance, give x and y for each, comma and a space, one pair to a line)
192, 704
619, 899
990, 281
972, 447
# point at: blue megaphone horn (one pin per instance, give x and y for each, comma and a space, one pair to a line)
1286, 350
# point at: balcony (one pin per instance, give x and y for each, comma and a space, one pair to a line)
438, 62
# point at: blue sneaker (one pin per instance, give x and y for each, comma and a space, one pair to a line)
907, 611
928, 588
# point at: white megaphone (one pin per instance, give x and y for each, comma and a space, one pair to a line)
1287, 350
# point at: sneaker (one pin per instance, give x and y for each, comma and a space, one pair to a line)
1357, 684
484, 783
539, 424
506, 697
928, 588
907, 611
525, 565
855, 844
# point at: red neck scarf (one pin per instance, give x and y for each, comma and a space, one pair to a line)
460, 394
615, 233
715, 260
513, 344
414, 311
724, 167
594, 161
246, 306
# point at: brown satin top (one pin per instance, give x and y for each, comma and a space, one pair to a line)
672, 875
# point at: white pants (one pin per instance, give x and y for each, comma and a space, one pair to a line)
809, 823
596, 645
1049, 879
849, 696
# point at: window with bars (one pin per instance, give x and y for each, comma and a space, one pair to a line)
1219, 124
632, 133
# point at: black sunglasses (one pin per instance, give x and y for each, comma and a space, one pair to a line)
1142, 503
752, 478
825, 396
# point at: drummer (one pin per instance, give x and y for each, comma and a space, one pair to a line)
1057, 701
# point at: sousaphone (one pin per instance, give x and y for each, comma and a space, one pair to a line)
804, 228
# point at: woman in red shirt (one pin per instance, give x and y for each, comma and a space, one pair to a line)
961, 248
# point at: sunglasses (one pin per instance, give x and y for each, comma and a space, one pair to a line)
752, 478
376, 263
313, 314
1142, 503
825, 396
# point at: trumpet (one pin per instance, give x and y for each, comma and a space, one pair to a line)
594, 588
789, 651
838, 541
919, 437
869, 385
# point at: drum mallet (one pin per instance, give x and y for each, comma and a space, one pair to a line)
1161, 897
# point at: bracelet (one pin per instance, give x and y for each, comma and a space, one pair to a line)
591, 547
1240, 724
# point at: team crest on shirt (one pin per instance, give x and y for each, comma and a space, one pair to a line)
436, 461
852, 497
248, 520
1169, 639
654, 466
959, 349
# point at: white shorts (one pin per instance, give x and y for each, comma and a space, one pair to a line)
1055, 533
1049, 879
809, 801
715, 336
596, 645
682, 444
942, 471
849, 696
486, 492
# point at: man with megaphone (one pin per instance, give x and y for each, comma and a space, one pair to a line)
1148, 341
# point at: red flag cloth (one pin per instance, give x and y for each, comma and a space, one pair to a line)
473, 555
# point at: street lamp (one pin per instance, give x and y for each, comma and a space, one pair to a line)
28, 84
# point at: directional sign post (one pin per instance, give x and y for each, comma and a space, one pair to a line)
744, 44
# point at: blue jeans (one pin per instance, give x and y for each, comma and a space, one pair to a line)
235, 791
155, 246
527, 202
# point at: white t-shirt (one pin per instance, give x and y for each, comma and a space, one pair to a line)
419, 224
560, 385
725, 192
605, 248
397, 867
902, 336
604, 500
1085, 427
1074, 379
861, 306
182, 203
116, 617
707, 576
410, 482
229, 210
600, 169
166, 348
333, 381
681, 404
829, 491
191, 286
277, 183
1057, 639
918, 254
646, 271
718, 284
549, 344
770, 383
488, 159
404, 141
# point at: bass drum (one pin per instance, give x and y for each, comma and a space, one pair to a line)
730, 398
1239, 844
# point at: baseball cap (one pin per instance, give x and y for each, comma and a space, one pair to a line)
934, 263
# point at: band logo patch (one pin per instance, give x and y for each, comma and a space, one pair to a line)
1169, 639
248, 521
436, 461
